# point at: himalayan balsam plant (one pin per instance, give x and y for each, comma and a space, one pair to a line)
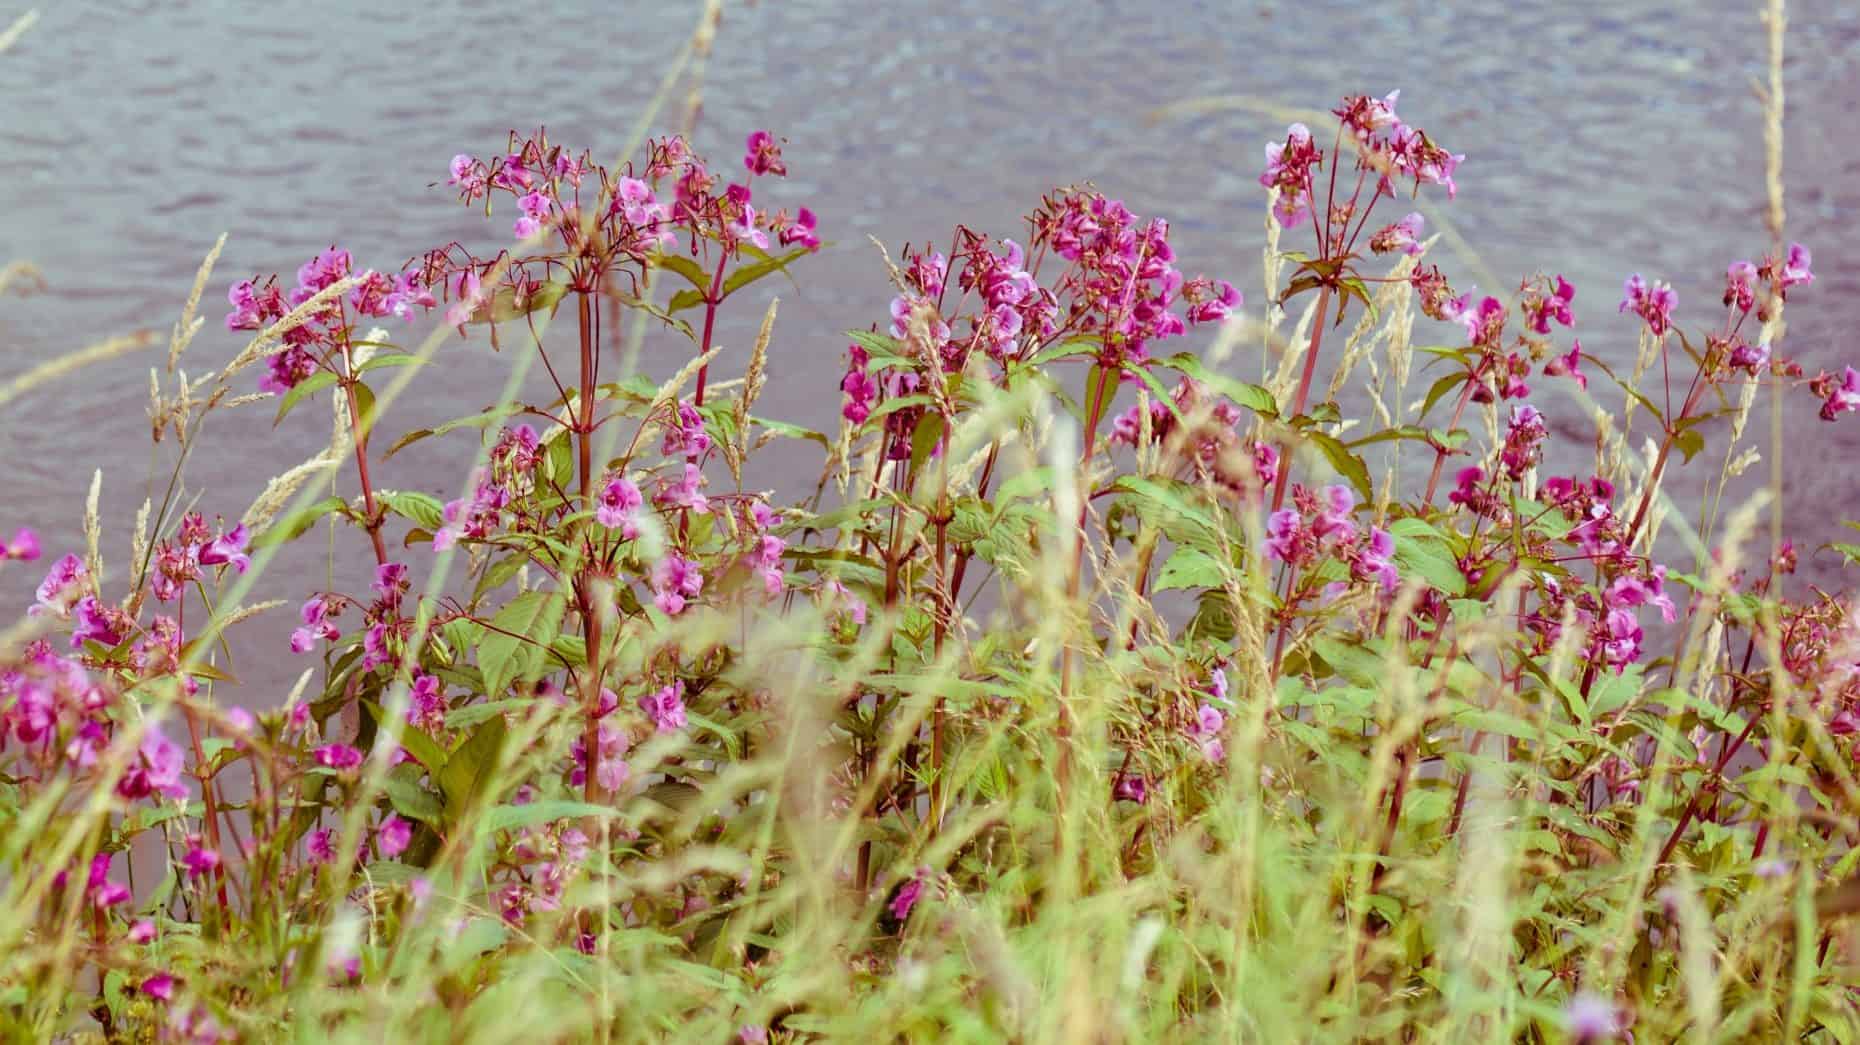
1097, 692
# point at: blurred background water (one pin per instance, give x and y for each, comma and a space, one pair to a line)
1601, 139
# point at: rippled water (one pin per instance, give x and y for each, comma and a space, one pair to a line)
1601, 139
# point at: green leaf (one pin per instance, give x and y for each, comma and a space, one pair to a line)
308, 386
1420, 551
1439, 389
422, 508
547, 811
470, 769
748, 274
1253, 397
685, 266
388, 359
413, 802
1190, 568
1347, 464
925, 439
1175, 508
511, 650
423, 748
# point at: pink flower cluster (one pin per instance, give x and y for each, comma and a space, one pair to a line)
1320, 527
308, 345
178, 560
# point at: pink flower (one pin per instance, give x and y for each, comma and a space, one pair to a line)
1569, 365
1842, 397
1205, 731
63, 586
228, 548
687, 492
1653, 303
156, 769
1795, 270
142, 931
24, 547
1131, 788
199, 861
1404, 235
159, 986
322, 846
666, 708
97, 623
1748, 357
907, 897
392, 836
1740, 286
1540, 309
619, 507
675, 581
801, 230
338, 756
1288, 168
317, 615
762, 155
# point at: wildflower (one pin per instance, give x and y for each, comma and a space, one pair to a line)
156, 769
227, 549
1205, 731
1375, 560
1569, 366
316, 615
861, 389
610, 770
762, 155
1795, 271
687, 492
468, 293
752, 1034
97, 623
801, 230
63, 586
1404, 235
24, 547
1524, 439
392, 836
1740, 286
619, 507
675, 581
142, 931
1210, 300
1288, 169
1484, 321
322, 846
1748, 357
199, 861
1130, 788
1653, 303
1540, 308
1589, 1019
666, 707
160, 986
907, 897
1843, 397
535, 208
338, 756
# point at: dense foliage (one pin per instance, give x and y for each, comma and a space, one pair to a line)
1097, 692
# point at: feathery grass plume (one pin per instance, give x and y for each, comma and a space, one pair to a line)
188, 325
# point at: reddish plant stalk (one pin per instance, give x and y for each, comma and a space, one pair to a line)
585, 595
1304, 393
712, 299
